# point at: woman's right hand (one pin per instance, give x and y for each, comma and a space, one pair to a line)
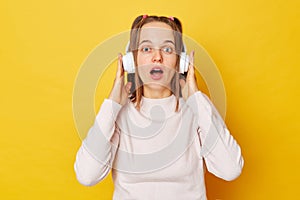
120, 92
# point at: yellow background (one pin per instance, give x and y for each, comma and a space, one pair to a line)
255, 45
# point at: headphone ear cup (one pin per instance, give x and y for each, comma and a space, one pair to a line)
128, 62
184, 63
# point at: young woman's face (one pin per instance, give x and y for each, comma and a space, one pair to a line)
156, 57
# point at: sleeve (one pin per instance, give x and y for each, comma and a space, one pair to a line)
96, 154
221, 152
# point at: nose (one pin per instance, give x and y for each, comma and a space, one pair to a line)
157, 57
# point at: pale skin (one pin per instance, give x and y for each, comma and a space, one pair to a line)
158, 35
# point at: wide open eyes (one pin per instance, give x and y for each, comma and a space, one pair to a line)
166, 49
146, 49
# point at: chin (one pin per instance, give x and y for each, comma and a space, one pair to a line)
157, 86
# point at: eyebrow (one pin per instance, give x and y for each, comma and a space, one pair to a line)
166, 41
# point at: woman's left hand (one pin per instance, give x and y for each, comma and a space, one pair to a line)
189, 87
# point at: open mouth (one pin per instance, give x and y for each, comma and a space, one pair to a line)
156, 73
156, 70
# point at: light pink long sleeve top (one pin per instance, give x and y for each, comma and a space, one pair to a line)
157, 153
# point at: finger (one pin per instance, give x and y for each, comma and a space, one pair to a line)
191, 72
128, 86
191, 66
120, 70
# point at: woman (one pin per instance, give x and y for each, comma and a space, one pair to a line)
157, 141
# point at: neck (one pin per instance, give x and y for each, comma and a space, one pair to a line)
157, 93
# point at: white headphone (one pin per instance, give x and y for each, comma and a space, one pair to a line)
128, 61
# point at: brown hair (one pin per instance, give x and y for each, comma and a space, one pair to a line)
138, 23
